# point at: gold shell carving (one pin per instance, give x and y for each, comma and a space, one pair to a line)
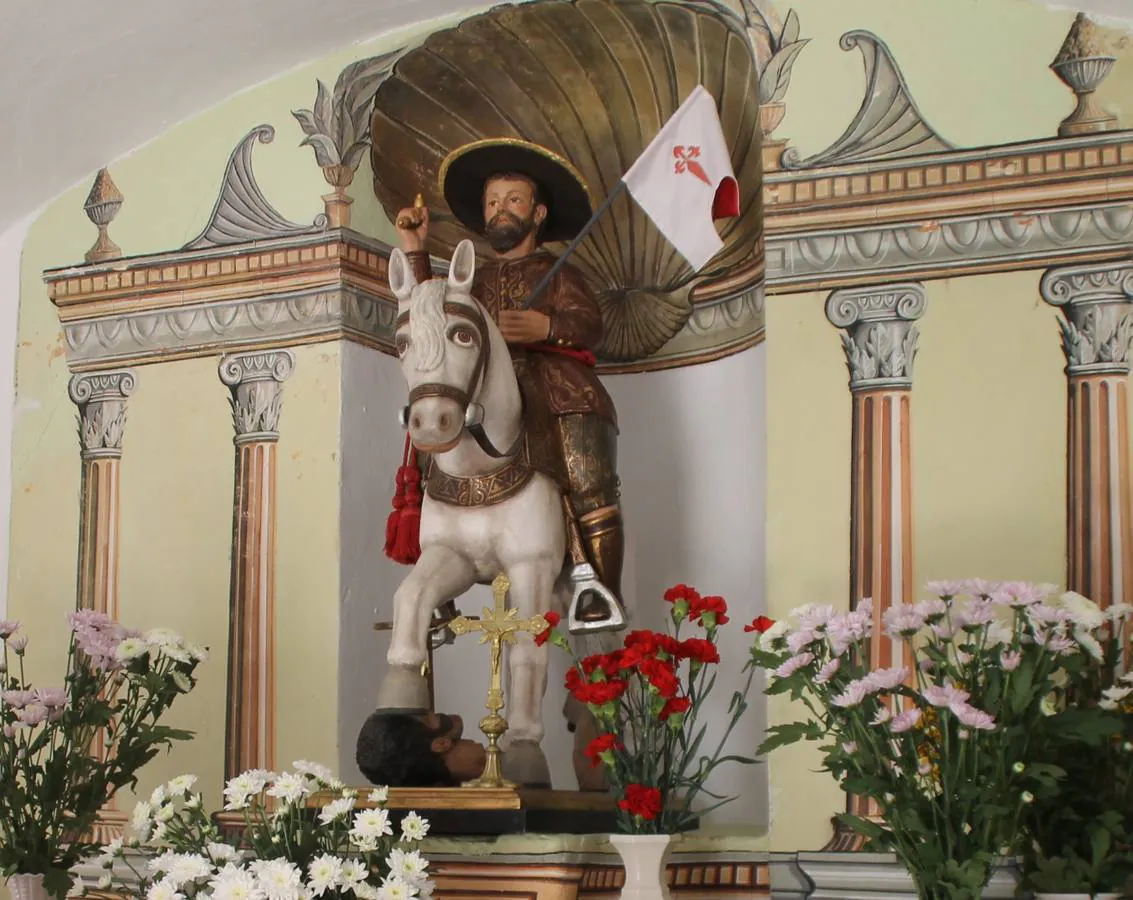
593, 80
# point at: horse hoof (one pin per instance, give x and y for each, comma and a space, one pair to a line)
524, 763
403, 689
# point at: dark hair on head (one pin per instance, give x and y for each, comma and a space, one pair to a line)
395, 749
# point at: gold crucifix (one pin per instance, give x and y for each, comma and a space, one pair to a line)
498, 626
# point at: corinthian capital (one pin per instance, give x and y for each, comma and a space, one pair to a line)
256, 382
1096, 326
878, 333
101, 399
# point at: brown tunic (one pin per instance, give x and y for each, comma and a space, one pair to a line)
568, 386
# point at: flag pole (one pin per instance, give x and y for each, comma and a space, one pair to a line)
573, 245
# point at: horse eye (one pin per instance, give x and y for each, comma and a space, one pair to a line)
463, 337
401, 344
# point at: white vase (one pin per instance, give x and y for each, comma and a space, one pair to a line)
27, 887
644, 857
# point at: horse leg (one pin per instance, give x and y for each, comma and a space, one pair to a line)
532, 587
439, 575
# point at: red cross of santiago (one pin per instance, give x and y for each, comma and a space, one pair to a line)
686, 162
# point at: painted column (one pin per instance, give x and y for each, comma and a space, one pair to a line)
256, 384
101, 398
1094, 300
880, 341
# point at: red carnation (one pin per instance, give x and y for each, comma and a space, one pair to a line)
699, 650
760, 624
553, 619
604, 743
675, 706
715, 605
641, 801
682, 592
661, 675
599, 693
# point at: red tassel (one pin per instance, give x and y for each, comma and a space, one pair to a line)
403, 527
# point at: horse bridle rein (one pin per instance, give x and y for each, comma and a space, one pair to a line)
472, 411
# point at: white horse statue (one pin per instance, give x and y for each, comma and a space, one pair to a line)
464, 405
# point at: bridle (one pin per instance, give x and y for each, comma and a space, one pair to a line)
472, 411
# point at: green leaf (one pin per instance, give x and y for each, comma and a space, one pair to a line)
782, 735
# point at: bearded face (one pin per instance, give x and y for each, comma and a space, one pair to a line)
510, 212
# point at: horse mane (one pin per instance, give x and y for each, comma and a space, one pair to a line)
427, 324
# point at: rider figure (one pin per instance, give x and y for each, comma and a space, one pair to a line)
517, 195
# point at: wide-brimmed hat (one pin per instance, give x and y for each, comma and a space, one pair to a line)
466, 170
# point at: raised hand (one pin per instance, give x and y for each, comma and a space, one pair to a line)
412, 225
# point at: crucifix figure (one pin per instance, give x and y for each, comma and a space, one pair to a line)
499, 625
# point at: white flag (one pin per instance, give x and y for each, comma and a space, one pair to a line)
684, 179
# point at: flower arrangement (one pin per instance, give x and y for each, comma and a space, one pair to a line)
1078, 832
944, 744
284, 851
66, 750
646, 699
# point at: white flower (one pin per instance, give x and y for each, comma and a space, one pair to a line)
162, 637
997, 633
179, 654
396, 889
768, 638
336, 809
163, 890
354, 872
221, 853
181, 682
1089, 643
1113, 696
166, 813
158, 795
114, 848
235, 883
244, 786
414, 827
141, 820
187, 867
182, 784
290, 787
315, 770
130, 648
379, 794
199, 653
410, 866
365, 891
370, 825
325, 871
1082, 611
1119, 611
193, 802
278, 879
104, 881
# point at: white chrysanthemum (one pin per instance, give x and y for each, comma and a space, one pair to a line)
414, 827
199, 653
235, 883
315, 770
163, 890
114, 848
370, 825
158, 795
160, 864
354, 872
221, 853
130, 648
162, 637
104, 881
1118, 611
379, 794
166, 813
396, 889
193, 802
185, 868
1083, 612
175, 652
239, 790
182, 784
998, 633
290, 787
324, 873
141, 821
767, 639
336, 809
1089, 643
365, 891
408, 865
181, 682
278, 879
1113, 696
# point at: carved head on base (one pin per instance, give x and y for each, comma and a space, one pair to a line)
417, 750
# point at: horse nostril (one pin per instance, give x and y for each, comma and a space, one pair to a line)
416, 421
446, 421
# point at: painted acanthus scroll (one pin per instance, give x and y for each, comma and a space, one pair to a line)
242, 212
888, 124
337, 129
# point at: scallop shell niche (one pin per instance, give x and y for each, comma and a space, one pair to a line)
593, 80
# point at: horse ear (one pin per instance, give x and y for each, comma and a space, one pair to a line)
462, 268
400, 273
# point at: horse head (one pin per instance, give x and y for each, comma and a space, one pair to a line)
451, 354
